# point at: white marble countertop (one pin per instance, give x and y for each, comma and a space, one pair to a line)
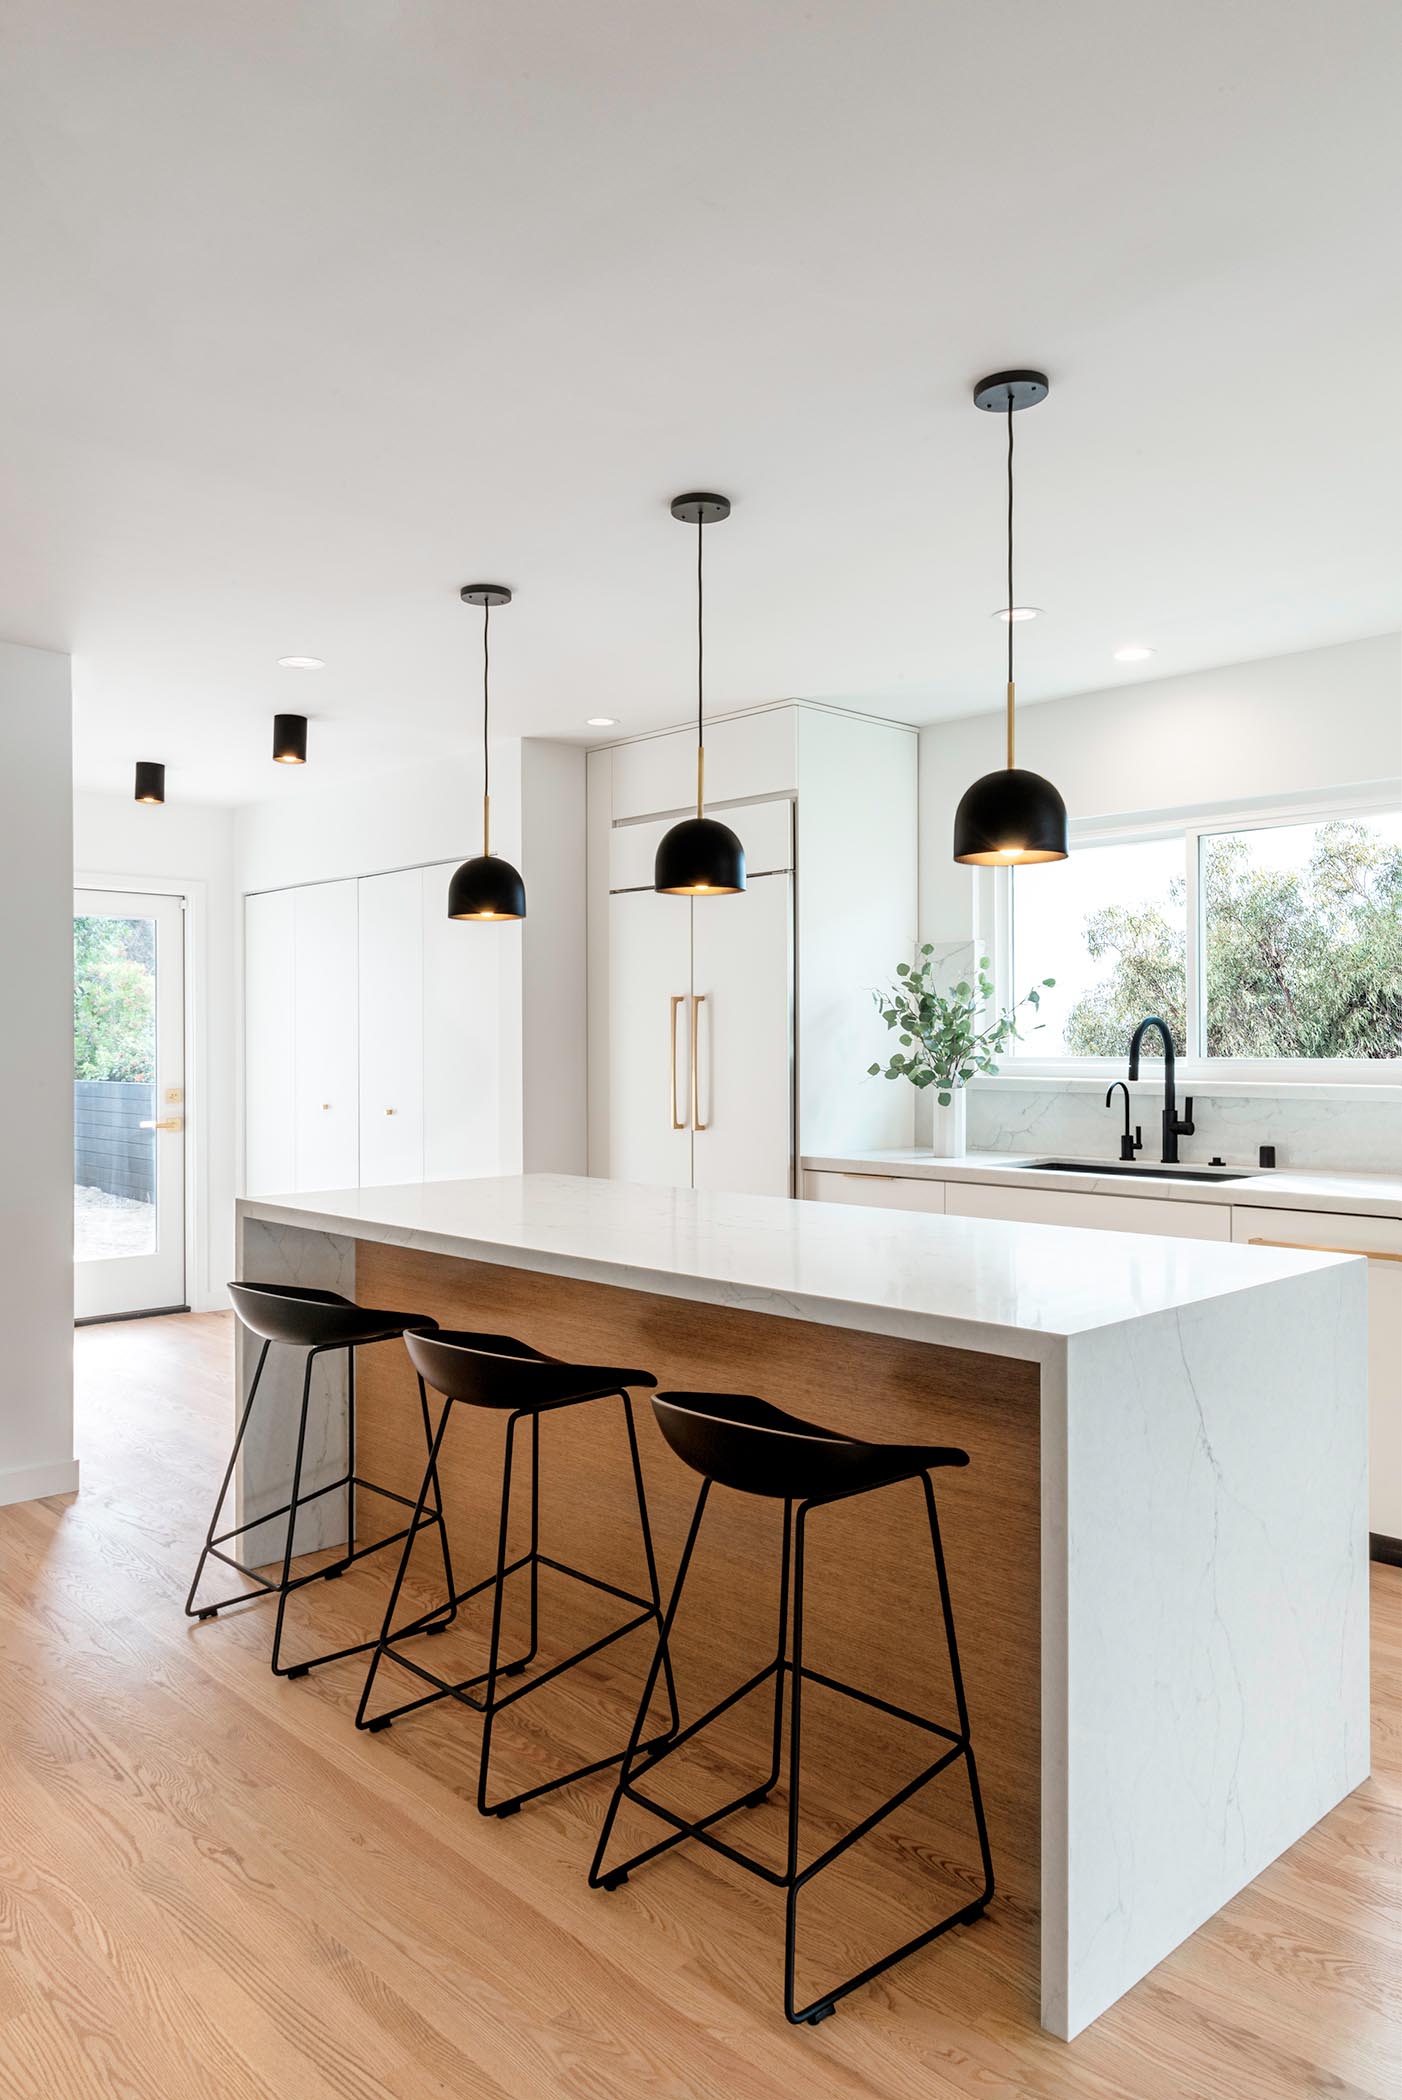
1010, 1289
1365, 1195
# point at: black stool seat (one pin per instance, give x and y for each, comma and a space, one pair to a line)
499, 1373
495, 1370
736, 1441
318, 1323
744, 1443
307, 1319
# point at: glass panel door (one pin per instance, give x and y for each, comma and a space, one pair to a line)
128, 1103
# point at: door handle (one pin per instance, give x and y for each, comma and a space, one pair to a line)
698, 1000
1313, 1247
165, 1123
677, 1000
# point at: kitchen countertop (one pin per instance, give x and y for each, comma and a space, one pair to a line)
970, 1282
1363, 1195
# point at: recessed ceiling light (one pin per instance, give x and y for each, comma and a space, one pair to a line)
300, 663
1132, 653
601, 721
1019, 612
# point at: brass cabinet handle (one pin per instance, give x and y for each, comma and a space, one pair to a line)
165, 1123
698, 1000
391, 1111
677, 1000
1309, 1247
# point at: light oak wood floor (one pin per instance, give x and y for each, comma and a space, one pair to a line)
212, 1888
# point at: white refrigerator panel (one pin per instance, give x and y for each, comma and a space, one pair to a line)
741, 1023
649, 1063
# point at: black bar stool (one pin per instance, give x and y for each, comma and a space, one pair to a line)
317, 1322
495, 1371
733, 1440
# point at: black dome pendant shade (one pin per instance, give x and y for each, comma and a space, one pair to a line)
486, 887
700, 857
1011, 818
150, 783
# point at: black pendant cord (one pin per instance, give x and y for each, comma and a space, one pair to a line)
700, 666
1010, 539
486, 665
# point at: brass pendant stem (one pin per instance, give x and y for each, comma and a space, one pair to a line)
1011, 759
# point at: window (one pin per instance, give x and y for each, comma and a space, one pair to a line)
1276, 940
1109, 925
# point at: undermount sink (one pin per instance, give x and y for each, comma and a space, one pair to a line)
1137, 1173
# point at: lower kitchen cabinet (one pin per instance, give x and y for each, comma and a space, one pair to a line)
1184, 1221
880, 1191
1381, 1240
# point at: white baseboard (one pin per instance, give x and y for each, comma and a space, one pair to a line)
33, 1483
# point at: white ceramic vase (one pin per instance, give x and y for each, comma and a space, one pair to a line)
949, 1126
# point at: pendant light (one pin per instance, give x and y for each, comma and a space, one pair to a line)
150, 780
486, 887
1010, 818
290, 740
700, 857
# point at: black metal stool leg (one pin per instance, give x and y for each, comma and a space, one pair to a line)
618, 1875
654, 1591
819, 2011
780, 1655
208, 1611
415, 1526
440, 1625
298, 1670
506, 1808
957, 1675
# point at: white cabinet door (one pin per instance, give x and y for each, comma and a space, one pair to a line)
1182, 1221
1381, 1240
462, 1061
741, 1026
326, 1028
649, 1038
878, 1191
391, 1029
270, 1140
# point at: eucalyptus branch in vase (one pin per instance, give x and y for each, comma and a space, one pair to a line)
940, 1041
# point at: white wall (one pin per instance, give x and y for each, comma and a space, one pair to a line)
36, 1075
857, 854
121, 844
1246, 733
554, 956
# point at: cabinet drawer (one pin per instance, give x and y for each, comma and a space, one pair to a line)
1183, 1221
878, 1191
1325, 1231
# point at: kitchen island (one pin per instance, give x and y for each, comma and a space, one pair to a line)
1158, 1552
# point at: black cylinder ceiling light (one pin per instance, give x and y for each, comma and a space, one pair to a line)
486, 887
1011, 818
290, 740
700, 857
150, 781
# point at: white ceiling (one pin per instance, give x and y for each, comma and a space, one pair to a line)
315, 312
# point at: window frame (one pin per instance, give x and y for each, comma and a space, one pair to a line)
993, 930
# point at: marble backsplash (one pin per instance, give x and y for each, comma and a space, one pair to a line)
1307, 1130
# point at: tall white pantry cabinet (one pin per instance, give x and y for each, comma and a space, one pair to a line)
372, 1036
728, 1033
